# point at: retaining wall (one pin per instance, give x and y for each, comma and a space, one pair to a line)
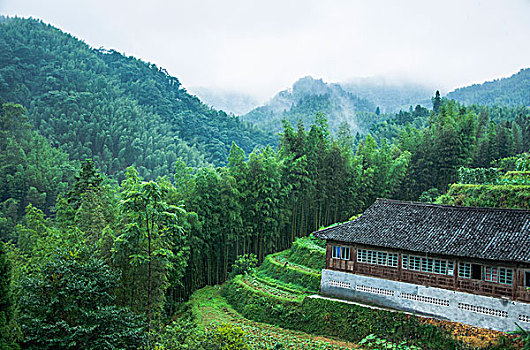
471, 309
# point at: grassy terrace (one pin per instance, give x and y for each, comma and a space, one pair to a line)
209, 307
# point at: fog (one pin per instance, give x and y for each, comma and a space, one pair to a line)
263, 47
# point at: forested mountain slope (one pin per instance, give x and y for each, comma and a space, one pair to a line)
117, 110
309, 96
511, 91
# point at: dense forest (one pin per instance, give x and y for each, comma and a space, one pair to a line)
309, 96
121, 194
512, 91
114, 109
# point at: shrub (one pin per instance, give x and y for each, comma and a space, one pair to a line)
70, 304
332, 318
244, 264
229, 337
305, 252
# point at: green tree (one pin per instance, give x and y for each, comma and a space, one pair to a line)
436, 102
152, 229
69, 304
6, 302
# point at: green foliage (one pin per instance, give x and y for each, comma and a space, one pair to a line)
308, 97
154, 241
305, 252
6, 302
429, 196
371, 341
244, 264
209, 309
520, 162
117, 110
511, 91
279, 267
478, 176
183, 334
229, 337
497, 196
333, 318
31, 170
69, 304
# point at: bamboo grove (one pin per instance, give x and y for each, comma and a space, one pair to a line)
169, 237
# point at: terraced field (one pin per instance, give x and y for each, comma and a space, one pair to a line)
209, 308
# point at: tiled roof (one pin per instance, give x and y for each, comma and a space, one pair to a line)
484, 233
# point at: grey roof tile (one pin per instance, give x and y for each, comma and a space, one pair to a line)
484, 233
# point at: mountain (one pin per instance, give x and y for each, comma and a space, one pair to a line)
114, 109
512, 91
229, 101
309, 96
390, 95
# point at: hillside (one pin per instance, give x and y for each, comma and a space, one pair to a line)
115, 109
281, 293
510, 91
309, 96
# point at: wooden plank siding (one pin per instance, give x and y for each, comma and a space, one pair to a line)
516, 291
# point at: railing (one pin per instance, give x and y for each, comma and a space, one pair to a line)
523, 294
341, 265
431, 280
434, 280
378, 271
485, 288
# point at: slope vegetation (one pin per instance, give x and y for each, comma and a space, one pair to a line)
309, 96
277, 294
511, 91
117, 110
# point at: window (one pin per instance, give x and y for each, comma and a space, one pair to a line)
498, 275
464, 270
392, 260
505, 275
362, 255
440, 266
429, 265
450, 268
415, 263
426, 265
377, 257
381, 258
527, 279
345, 253
340, 252
335, 252
491, 274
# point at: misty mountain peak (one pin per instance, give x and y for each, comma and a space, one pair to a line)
309, 86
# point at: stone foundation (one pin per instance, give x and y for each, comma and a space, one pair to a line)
471, 309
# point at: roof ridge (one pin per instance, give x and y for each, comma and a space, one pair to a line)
423, 204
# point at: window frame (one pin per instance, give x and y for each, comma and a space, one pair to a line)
506, 274
425, 264
344, 249
464, 267
378, 257
491, 274
337, 252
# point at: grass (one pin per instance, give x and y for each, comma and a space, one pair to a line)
210, 307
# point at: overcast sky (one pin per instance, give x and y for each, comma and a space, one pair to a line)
262, 47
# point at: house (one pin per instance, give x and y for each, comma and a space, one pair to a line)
462, 264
